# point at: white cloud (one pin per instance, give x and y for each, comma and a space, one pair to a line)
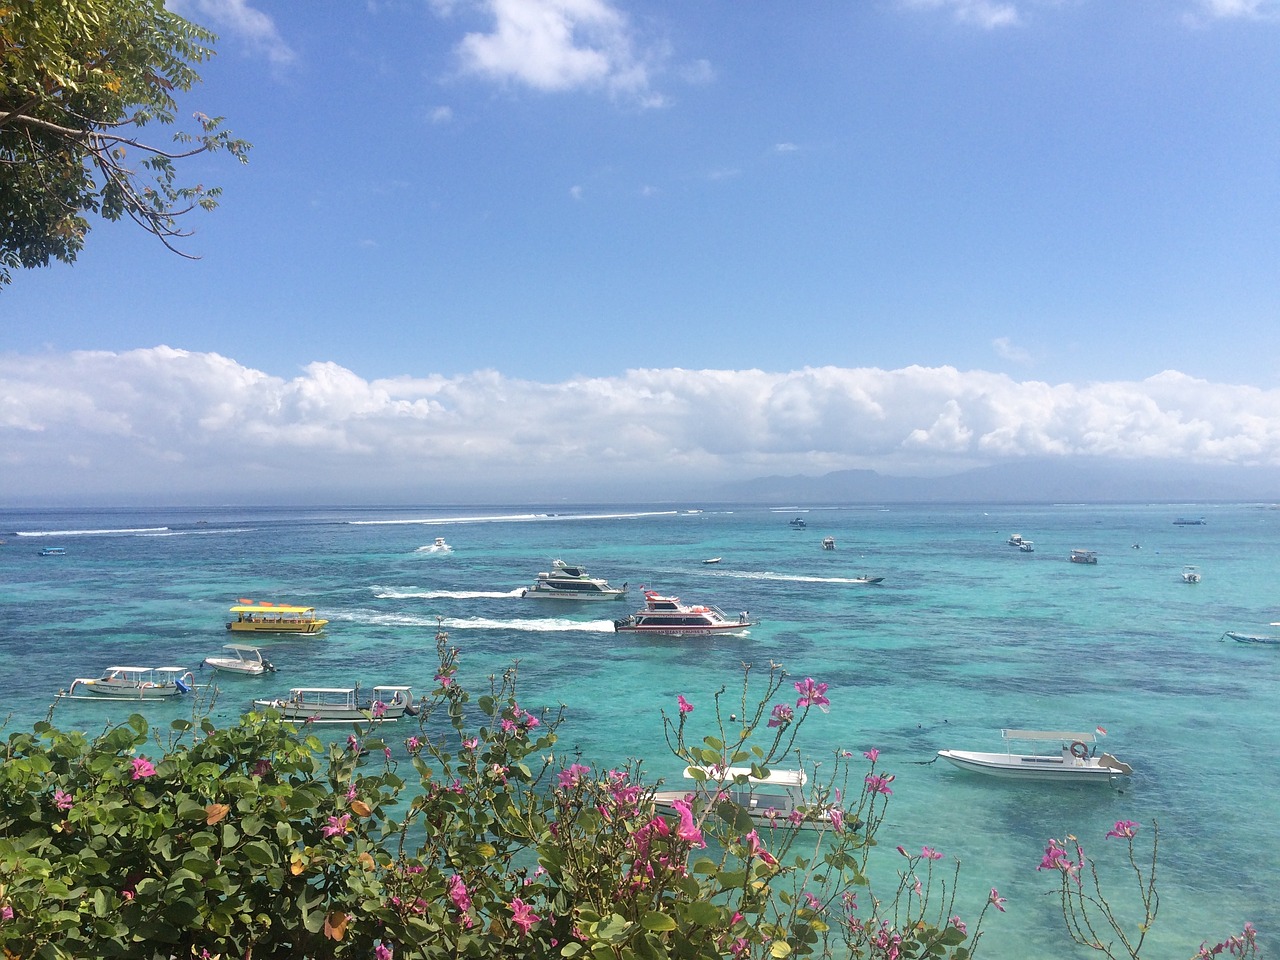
1006, 350
1241, 9
441, 114
237, 18
988, 14
90, 424
559, 45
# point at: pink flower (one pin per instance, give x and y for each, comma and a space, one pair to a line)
413, 744
379, 709
687, 830
522, 915
879, 784
261, 768
782, 715
6, 912
930, 854
837, 819
959, 924
382, 952
337, 825
812, 694
996, 900
756, 849
142, 768
571, 777
1124, 830
470, 743
458, 893
62, 800
873, 754
685, 705
443, 679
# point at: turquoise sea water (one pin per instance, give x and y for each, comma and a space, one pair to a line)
966, 635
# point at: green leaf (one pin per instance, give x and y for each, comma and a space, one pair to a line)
656, 921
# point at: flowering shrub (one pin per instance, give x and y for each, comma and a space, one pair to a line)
1090, 918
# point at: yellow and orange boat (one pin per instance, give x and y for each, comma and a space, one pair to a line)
264, 617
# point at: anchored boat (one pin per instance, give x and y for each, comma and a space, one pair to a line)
342, 704
135, 683
778, 796
1077, 761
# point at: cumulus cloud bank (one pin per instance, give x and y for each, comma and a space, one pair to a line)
190, 425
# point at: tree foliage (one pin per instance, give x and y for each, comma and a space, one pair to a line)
78, 82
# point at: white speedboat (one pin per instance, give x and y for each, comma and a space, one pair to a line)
799, 523
1083, 556
828, 543
438, 547
1265, 640
1015, 540
668, 617
776, 797
342, 704
1077, 761
1190, 574
865, 579
1027, 546
712, 560
241, 658
568, 582
135, 683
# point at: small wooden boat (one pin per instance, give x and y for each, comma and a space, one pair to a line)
775, 798
1083, 556
241, 658
135, 683
1076, 762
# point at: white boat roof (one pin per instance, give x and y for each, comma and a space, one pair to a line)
787, 778
1047, 735
271, 608
322, 690
244, 647
133, 669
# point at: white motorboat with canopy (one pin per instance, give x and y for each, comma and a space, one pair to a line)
342, 704
135, 683
1077, 761
780, 796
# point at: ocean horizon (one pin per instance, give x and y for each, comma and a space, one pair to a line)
964, 636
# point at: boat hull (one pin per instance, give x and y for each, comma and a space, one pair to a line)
727, 630
304, 714
554, 593
1014, 766
117, 691
283, 626
1250, 638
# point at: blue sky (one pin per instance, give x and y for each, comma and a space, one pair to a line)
503, 238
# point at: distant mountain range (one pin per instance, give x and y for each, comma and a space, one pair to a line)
1028, 481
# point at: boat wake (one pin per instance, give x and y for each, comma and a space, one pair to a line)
390, 593
549, 625
785, 577
514, 518
435, 548
88, 533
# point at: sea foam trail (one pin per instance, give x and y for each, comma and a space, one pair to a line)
514, 518
392, 593
549, 625
784, 577
87, 533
